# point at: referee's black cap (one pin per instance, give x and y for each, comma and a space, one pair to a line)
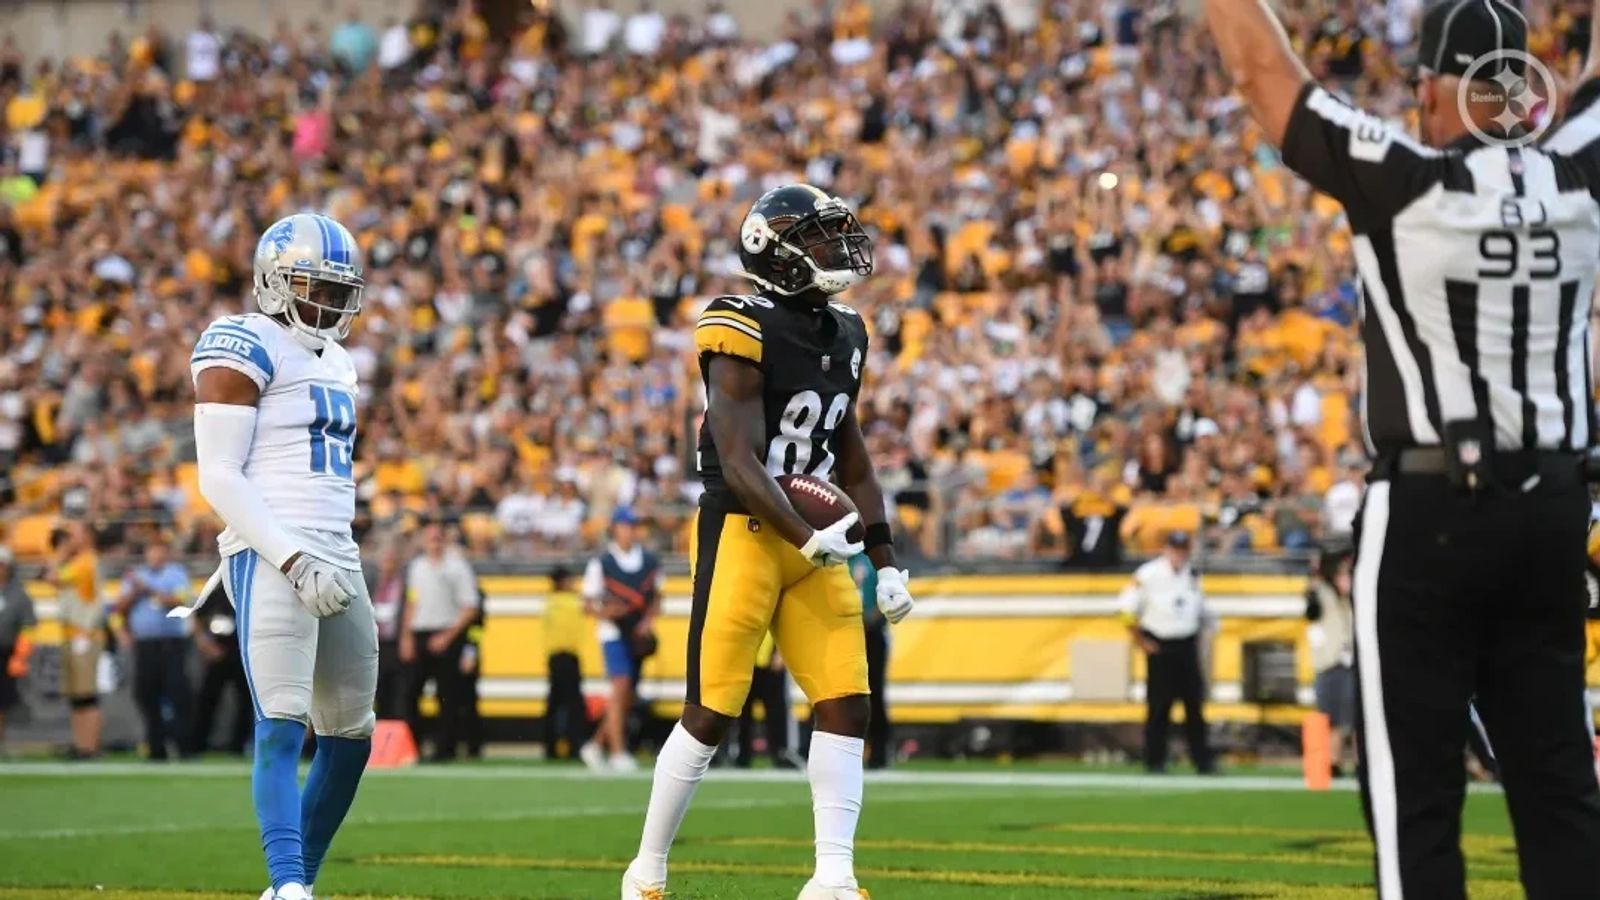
1458, 33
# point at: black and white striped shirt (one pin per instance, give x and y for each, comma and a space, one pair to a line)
1477, 267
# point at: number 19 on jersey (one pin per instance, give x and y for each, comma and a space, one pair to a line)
333, 431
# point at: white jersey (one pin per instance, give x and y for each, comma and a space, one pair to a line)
303, 454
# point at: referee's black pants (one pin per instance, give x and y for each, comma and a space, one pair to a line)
1173, 673
1456, 597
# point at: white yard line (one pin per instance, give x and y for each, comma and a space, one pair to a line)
537, 772
560, 812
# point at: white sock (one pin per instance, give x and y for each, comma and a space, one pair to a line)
834, 767
679, 768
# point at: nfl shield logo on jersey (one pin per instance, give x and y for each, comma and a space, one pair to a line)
827, 363
855, 364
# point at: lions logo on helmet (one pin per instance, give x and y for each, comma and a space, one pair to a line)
308, 270
797, 239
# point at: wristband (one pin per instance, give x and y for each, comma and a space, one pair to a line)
878, 535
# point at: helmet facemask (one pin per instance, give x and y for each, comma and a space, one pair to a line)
321, 304
827, 250
308, 275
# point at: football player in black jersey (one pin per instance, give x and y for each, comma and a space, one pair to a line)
782, 368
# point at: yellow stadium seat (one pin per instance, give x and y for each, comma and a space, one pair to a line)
479, 528
35, 486
910, 516
1147, 525
188, 476
1334, 431
30, 535
384, 506
1263, 534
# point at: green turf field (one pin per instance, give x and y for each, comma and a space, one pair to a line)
138, 832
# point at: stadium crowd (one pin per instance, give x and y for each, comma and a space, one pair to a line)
1102, 306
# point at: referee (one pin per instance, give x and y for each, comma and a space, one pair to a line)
1477, 247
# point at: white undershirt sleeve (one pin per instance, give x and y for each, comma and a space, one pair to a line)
222, 436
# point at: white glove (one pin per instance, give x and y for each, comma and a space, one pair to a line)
324, 589
829, 547
894, 598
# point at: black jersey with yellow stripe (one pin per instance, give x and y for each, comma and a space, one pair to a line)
811, 360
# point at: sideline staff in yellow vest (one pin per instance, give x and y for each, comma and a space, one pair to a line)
74, 572
566, 630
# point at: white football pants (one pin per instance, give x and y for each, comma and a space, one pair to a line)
320, 672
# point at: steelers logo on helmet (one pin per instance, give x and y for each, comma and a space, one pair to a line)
753, 235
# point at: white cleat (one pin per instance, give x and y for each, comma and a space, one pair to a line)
624, 762
814, 891
291, 891
593, 757
636, 888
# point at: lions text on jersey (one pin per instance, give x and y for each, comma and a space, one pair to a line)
303, 454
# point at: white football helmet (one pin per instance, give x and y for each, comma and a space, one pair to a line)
308, 269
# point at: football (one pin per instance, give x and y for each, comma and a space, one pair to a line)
820, 502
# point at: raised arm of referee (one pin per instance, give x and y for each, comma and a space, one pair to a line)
1477, 244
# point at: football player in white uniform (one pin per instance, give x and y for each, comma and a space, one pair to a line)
275, 425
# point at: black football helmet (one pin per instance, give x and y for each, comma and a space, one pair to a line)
798, 239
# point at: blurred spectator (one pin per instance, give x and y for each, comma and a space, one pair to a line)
441, 604
353, 43
74, 573
17, 624
720, 26
566, 715
1331, 636
599, 26
160, 648
216, 637
203, 52
1341, 504
622, 587
644, 30
386, 585
394, 47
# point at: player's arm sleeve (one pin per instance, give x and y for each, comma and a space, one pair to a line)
726, 329
222, 436
1368, 165
1577, 137
236, 347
